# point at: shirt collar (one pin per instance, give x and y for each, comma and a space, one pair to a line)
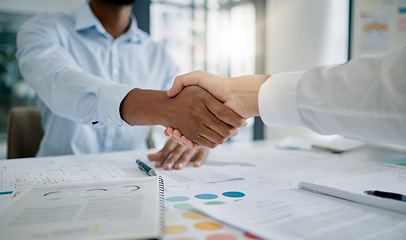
85, 19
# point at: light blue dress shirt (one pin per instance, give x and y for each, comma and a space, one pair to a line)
81, 74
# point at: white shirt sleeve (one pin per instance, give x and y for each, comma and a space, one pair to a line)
364, 98
277, 100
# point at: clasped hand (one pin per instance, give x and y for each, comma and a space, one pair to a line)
202, 118
240, 94
195, 112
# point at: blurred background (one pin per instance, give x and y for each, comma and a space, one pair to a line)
229, 38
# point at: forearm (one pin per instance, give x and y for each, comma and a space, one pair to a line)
245, 90
193, 111
145, 107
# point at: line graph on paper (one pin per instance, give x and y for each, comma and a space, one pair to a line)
17, 174
20, 173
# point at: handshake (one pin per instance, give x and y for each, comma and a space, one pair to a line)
228, 102
201, 109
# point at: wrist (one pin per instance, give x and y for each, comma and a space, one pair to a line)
246, 91
144, 107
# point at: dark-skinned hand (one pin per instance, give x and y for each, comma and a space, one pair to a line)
195, 112
176, 156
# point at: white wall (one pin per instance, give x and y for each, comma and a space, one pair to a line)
32, 7
302, 34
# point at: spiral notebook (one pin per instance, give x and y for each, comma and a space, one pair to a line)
123, 209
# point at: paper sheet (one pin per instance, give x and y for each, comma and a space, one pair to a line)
19, 173
294, 214
126, 209
259, 163
382, 176
388, 204
5, 201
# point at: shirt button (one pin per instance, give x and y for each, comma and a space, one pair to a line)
119, 126
115, 71
81, 120
109, 120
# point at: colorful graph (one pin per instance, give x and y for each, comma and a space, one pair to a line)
374, 23
375, 27
183, 223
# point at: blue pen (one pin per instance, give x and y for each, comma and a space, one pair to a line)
390, 195
145, 168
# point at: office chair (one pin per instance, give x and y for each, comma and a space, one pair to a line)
24, 132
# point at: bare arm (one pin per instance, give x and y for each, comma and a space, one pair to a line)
195, 112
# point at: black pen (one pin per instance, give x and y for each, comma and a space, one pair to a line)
390, 195
145, 168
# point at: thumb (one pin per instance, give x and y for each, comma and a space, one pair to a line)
182, 81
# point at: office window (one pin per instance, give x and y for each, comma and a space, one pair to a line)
14, 91
231, 38
180, 25
219, 36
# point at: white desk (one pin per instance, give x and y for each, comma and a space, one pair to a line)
260, 164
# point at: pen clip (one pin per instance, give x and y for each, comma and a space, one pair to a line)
142, 168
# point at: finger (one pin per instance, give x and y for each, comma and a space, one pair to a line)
203, 141
182, 81
184, 160
188, 143
196, 145
165, 152
215, 129
206, 136
234, 132
225, 114
153, 156
174, 139
218, 131
211, 82
201, 156
174, 157
177, 134
170, 131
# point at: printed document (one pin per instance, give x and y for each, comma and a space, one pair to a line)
128, 209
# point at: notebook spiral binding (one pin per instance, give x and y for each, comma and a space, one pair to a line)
162, 204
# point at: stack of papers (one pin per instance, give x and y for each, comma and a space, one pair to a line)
298, 214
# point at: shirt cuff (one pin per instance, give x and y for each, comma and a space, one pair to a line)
277, 100
111, 96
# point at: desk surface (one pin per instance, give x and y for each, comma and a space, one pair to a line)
231, 169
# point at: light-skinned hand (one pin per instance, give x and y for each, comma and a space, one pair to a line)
239, 93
